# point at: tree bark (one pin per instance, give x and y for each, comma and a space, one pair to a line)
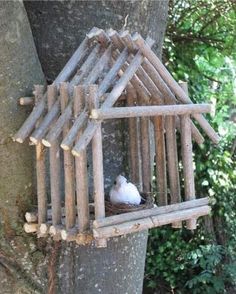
28, 265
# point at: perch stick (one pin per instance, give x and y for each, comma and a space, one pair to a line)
172, 163
26, 101
142, 111
40, 169
133, 137
145, 150
146, 50
98, 181
68, 165
150, 222
81, 168
147, 71
54, 160
160, 160
38, 110
130, 216
111, 99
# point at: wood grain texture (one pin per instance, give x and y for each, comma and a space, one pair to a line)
40, 168
81, 168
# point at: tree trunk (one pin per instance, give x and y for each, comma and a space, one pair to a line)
26, 264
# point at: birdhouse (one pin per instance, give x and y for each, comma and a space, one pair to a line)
108, 67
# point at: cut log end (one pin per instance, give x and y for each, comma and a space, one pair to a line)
18, 140
46, 143
34, 140
65, 147
30, 228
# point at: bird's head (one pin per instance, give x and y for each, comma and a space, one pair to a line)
120, 180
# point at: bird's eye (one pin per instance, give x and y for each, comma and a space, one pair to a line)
114, 182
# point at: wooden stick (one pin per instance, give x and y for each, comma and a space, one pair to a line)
150, 222
94, 74
30, 228
167, 93
99, 35
111, 99
160, 160
31, 217
81, 169
172, 163
54, 160
98, 181
146, 73
85, 68
130, 216
99, 67
39, 133
142, 111
135, 81
71, 65
133, 137
187, 160
26, 101
44, 229
145, 151
69, 235
68, 69
127, 40
56, 130
68, 165
102, 38
40, 168
146, 50
105, 84
68, 141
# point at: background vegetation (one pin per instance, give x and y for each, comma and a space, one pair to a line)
200, 49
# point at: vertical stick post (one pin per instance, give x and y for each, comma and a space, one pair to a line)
81, 168
133, 137
97, 164
160, 160
40, 168
187, 159
54, 159
68, 165
172, 163
145, 151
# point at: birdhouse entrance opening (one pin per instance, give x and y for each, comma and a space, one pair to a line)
108, 67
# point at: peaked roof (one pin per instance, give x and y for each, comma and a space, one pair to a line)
113, 61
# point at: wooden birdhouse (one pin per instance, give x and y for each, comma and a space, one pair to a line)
67, 117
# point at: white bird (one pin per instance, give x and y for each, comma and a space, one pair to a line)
123, 192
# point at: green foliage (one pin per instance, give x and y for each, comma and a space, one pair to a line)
199, 49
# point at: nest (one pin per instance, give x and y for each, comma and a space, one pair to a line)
112, 209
